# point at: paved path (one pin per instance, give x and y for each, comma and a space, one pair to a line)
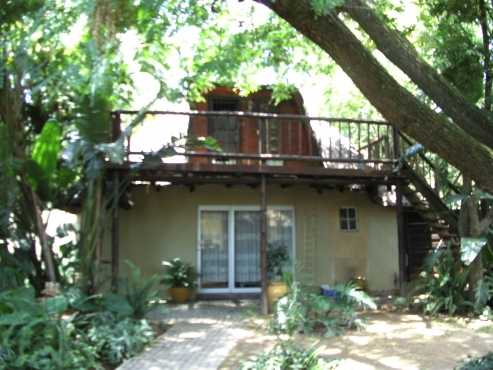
200, 338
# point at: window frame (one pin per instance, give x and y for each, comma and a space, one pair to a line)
347, 219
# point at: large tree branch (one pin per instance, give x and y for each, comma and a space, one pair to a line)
394, 102
401, 52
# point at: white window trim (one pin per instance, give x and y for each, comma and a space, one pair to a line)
231, 209
356, 218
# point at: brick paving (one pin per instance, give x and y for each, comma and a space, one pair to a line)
200, 338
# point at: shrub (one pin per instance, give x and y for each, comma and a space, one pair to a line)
479, 363
287, 356
32, 335
443, 284
93, 329
303, 310
115, 340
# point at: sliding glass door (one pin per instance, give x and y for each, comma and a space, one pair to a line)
214, 249
247, 249
229, 245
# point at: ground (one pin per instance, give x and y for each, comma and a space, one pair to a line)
221, 335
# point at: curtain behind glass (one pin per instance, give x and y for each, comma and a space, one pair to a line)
214, 249
280, 229
247, 249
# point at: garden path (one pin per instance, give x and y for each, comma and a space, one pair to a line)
200, 337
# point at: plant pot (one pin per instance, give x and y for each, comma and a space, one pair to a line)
276, 290
361, 283
180, 295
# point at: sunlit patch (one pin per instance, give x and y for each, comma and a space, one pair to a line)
395, 362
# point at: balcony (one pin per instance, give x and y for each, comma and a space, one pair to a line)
282, 145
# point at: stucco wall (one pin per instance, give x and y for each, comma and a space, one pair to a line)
163, 225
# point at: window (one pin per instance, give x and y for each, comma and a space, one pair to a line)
347, 219
225, 129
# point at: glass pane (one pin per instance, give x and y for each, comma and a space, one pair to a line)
343, 225
343, 213
351, 212
280, 233
247, 249
352, 224
214, 249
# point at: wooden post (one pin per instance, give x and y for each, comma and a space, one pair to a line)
401, 238
263, 245
400, 218
115, 232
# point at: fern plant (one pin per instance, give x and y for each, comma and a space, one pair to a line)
141, 293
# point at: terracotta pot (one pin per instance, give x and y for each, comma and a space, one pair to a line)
276, 290
180, 295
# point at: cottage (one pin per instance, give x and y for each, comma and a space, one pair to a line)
326, 188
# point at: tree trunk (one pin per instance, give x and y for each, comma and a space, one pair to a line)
483, 21
395, 103
401, 52
43, 238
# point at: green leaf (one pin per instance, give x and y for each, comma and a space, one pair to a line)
47, 148
454, 199
56, 305
470, 248
118, 305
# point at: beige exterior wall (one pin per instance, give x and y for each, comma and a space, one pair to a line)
163, 225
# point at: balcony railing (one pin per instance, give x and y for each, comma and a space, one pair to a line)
262, 139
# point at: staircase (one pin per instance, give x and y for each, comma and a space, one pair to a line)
436, 223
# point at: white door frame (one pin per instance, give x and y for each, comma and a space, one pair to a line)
231, 209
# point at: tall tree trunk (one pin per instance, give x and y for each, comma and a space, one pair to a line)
394, 102
401, 52
483, 21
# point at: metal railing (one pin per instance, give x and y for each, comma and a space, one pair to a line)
444, 179
262, 137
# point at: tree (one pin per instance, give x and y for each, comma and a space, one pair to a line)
394, 102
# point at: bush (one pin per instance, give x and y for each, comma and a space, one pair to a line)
32, 335
287, 356
305, 311
443, 284
480, 363
74, 331
115, 340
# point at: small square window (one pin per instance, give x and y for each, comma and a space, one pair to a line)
347, 219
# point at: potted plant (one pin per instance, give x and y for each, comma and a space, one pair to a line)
181, 277
277, 267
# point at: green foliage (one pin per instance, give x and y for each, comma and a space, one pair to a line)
470, 248
277, 261
286, 356
483, 293
179, 274
443, 284
116, 340
305, 311
141, 293
323, 7
32, 336
47, 148
75, 331
451, 37
479, 363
